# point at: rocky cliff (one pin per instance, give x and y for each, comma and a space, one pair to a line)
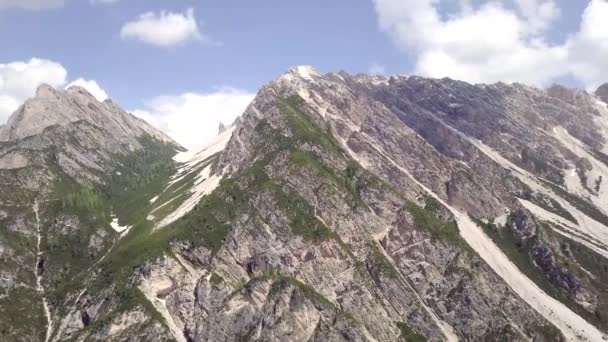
337, 207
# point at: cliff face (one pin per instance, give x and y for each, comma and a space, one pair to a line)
337, 207
602, 92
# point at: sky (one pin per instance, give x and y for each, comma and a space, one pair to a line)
187, 65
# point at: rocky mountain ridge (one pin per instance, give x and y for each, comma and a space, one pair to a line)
337, 207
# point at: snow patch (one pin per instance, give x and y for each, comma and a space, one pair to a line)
566, 228
307, 72
501, 220
204, 183
153, 199
193, 157
117, 227
599, 170
587, 226
203, 186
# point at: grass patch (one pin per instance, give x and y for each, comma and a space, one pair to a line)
427, 219
303, 128
585, 207
380, 263
521, 253
409, 334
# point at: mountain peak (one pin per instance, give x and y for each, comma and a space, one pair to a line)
45, 91
602, 92
222, 128
52, 107
79, 91
305, 72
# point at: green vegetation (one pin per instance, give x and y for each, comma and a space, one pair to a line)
280, 282
145, 174
540, 165
542, 200
522, 254
216, 279
303, 129
303, 221
380, 263
602, 157
585, 207
139, 177
21, 316
550, 205
549, 332
409, 334
427, 218
126, 298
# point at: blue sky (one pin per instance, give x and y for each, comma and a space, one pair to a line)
259, 41
187, 75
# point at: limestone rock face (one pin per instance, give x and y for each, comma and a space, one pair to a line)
52, 107
337, 207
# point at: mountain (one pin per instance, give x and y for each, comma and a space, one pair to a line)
337, 207
602, 92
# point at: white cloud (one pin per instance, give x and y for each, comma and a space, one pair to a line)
193, 118
91, 86
190, 118
491, 42
19, 80
31, 4
164, 29
588, 48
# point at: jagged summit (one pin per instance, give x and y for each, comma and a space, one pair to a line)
45, 90
78, 90
303, 73
602, 92
52, 107
222, 128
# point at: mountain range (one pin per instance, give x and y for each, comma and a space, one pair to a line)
337, 207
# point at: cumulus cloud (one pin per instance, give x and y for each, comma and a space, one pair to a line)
492, 42
588, 48
164, 29
91, 86
19, 80
193, 118
31, 4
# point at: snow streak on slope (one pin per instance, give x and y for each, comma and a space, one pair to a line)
564, 227
598, 173
572, 326
587, 226
204, 182
117, 227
